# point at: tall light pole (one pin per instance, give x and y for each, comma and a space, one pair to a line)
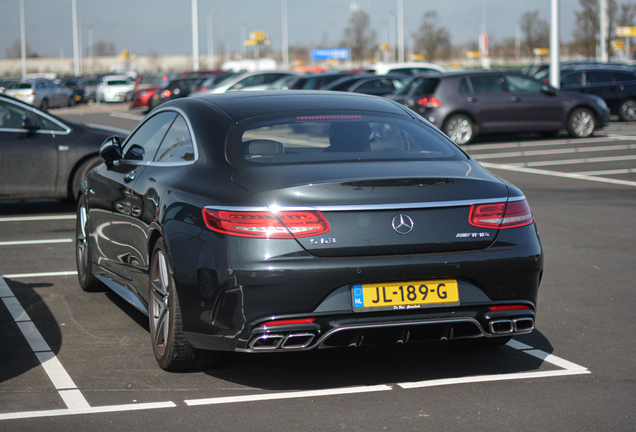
400, 11
483, 39
603, 30
555, 48
285, 37
195, 36
23, 40
392, 36
210, 28
76, 65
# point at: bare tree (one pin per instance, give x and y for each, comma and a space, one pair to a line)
587, 28
536, 31
15, 50
358, 37
103, 48
431, 38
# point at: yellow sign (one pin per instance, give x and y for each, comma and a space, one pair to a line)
472, 54
417, 57
625, 31
617, 44
258, 35
541, 51
385, 47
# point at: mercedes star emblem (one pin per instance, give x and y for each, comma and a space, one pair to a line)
402, 224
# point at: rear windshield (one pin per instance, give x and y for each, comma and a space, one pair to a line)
427, 86
151, 79
117, 82
338, 138
18, 86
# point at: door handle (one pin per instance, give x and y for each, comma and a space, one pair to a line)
471, 99
128, 177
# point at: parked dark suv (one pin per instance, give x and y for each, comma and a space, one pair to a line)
615, 84
467, 104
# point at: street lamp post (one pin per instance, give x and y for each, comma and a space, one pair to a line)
210, 31
23, 40
285, 37
400, 12
195, 36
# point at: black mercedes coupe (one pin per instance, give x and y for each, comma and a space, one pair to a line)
286, 221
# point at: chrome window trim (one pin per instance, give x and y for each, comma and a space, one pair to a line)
369, 207
66, 131
164, 164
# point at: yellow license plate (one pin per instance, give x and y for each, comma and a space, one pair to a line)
405, 295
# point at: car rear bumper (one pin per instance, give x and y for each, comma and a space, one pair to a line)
232, 309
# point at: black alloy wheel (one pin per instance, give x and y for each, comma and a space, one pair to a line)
87, 280
172, 351
627, 110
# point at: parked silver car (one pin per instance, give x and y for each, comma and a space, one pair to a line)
41, 93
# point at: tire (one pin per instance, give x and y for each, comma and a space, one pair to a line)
44, 105
172, 351
479, 343
581, 123
86, 278
460, 129
627, 110
80, 173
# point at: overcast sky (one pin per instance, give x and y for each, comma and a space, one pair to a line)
164, 26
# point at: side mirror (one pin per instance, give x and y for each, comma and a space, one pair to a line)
29, 124
111, 151
550, 90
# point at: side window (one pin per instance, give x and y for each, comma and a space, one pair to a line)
485, 84
624, 77
177, 145
463, 86
573, 79
270, 78
11, 116
143, 144
599, 77
48, 125
521, 84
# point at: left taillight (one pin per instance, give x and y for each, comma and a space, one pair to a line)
264, 224
501, 215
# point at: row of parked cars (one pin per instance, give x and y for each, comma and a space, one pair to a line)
463, 104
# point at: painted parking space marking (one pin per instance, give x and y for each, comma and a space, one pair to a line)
37, 218
126, 116
555, 151
34, 242
78, 405
57, 374
576, 161
37, 275
573, 176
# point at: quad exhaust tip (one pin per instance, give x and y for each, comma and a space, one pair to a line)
512, 326
275, 341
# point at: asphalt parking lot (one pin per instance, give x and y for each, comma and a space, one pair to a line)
76, 360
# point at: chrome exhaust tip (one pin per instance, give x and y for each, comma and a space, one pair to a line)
523, 325
267, 342
502, 327
297, 340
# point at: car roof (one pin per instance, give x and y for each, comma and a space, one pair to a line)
243, 105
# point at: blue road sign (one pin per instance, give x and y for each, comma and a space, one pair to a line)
330, 53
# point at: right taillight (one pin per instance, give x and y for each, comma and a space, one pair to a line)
501, 215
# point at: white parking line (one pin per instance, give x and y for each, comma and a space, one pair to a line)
52, 366
45, 274
34, 242
555, 151
575, 161
574, 176
126, 116
37, 218
543, 143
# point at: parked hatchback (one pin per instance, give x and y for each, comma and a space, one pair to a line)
467, 104
615, 84
41, 93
